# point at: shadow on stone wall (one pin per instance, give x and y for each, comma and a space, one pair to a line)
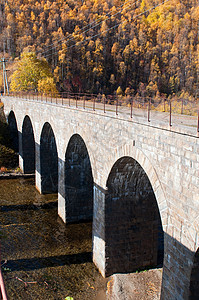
78, 181
28, 146
194, 282
8, 138
133, 228
48, 160
13, 131
180, 276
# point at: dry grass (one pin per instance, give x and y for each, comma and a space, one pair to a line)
178, 107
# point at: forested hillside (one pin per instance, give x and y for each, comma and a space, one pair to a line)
148, 51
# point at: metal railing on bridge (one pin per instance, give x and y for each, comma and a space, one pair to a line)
129, 106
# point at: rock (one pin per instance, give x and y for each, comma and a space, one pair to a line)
144, 285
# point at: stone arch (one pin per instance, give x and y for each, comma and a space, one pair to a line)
133, 230
132, 151
78, 181
28, 146
48, 160
82, 131
13, 131
194, 282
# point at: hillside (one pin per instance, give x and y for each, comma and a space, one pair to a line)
149, 50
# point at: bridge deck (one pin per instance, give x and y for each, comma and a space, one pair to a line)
180, 123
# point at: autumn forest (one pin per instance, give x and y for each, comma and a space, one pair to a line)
99, 46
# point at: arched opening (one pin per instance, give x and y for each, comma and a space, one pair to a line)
78, 181
28, 146
13, 131
133, 229
194, 282
48, 161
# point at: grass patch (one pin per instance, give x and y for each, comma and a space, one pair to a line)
8, 158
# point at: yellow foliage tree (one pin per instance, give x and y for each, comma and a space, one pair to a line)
47, 86
119, 91
1, 82
107, 44
29, 71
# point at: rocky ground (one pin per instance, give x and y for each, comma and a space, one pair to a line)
135, 286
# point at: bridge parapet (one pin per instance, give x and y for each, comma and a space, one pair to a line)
182, 117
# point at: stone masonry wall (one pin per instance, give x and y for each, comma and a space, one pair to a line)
194, 282
170, 159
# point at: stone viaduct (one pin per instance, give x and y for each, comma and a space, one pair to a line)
138, 182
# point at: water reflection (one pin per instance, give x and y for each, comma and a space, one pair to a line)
46, 259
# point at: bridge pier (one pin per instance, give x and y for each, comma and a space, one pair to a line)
99, 229
61, 190
178, 266
61, 184
21, 162
37, 168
